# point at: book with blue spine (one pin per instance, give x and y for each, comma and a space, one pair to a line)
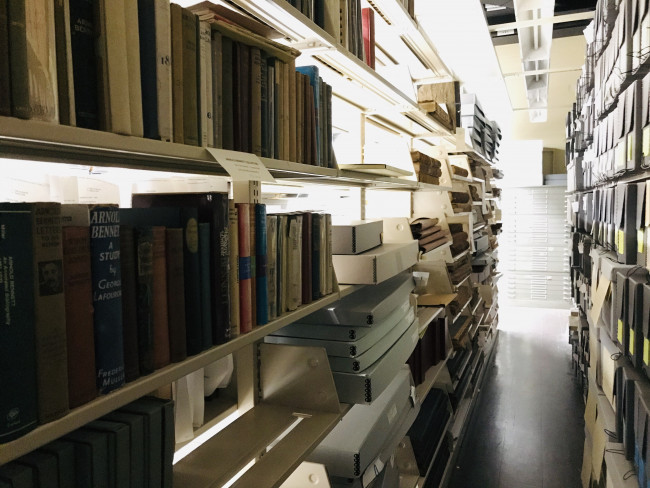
261, 283
314, 81
107, 296
17, 338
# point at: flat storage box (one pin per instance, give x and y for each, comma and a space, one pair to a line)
342, 342
366, 386
364, 432
376, 265
356, 237
481, 243
365, 307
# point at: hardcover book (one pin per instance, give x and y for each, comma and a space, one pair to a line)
129, 304
245, 296
307, 257
160, 316
272, 263
65, 81
144, 277
205, 261
261, 279
118, 445
5, 69
190, 90
175, 295
18, 411
178, 114
84, 63
233, 278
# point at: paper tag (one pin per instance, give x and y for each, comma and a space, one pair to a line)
631, 341
646, 141
619, 334
241, 166
640, 237
621, 242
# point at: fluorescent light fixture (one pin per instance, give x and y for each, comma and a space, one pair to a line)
489, 7
208, 434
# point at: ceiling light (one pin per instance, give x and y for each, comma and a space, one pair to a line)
491, 8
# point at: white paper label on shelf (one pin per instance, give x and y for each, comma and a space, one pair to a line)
241, 166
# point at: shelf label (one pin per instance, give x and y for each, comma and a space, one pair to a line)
621, 241
619, 334
241, 166
640, 236
632, 342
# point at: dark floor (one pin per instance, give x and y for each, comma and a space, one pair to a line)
527, 430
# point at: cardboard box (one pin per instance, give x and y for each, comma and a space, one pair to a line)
356, 237
376, 265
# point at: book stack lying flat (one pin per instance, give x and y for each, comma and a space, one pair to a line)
429, 234
361, 444
367, 335
427, 169
460, 239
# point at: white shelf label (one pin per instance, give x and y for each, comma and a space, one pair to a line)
241, 166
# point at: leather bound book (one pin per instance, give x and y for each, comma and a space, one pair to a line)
77, 284
253, 254
227, 94
245, 298
65, 84
458, 197
175, 294
306, 258
424, 178
176, 16
421, 224
459, 237
459, 171
429, 246
255, 101
427, 232
233, 272
315, 241
433, 237
129, 304
190, 98
458, 247
161, 356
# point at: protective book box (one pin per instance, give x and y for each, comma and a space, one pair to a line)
376, 265
356, 237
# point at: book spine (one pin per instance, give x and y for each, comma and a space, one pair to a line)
279, 112
329, 138
282, 265
49, 305
322, 262
217, 88
175, 295
253, 253
332, 21
293, 112
315, 255
176, 20
244, 73
18, 402
322, 129
163, 65
308, 116
193, 322
271, 263
133, 66
256, 101
67, 114
300, 118
160, 312
233, 272
148, 64
294, 278
271, 97
77, 285
329, 284
83, 31
113, 77
129, 304
306, 260
205, 290
144, 276
286, 113
107, 296
205, 84
33, 60
261, 265
190, 98
367, 26
227, 95
264, 104
245, 302
5, 69
221, 268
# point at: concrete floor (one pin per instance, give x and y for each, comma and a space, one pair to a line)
527, 430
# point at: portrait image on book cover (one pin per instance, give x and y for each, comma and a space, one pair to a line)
50, 277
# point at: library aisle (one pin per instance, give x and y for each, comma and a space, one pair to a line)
527, 430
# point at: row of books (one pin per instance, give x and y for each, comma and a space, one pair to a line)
132, 446
96, 296
150, 69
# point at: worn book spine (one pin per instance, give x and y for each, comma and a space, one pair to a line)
261, 265
205, 84
245, 295
129, 304
328, 256
306, 260
144, 276
282, 264
227, 95
270, 95
315, 251
322, 117
331, 21
233, 270
114, 104
253, 253
190, 95
293, 112
368, 28
33, 60
175, 294
176, 20
244, 98
217, 88
343, 24
65, 83
286, 104
18, 402
264, 103
77, 284
49, 306
294, 276
220, 268
84, 63
300, 118
308, 94
279, 112
271, 264
193, 302
206, 291
148, 64
5, 69
133, 66
256, 101
107, 296
160, 315
331, 159
163, 64
323, 255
